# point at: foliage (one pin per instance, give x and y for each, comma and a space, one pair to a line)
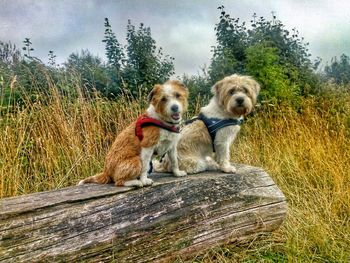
145, 65
339, 70
277, 58
115, 59
21, 73
140, 65
52, 59
90, 71
199, 88
262, 63
27, 47
9, 54
132, 69
114, 50
229, 54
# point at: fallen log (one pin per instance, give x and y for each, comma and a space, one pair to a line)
175, 218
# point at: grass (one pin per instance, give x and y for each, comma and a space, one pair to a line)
51, 145
308, 156
55, 142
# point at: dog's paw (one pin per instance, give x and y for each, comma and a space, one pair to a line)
180, 173
146, 181
134, 183
228, 169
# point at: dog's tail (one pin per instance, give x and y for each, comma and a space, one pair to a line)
100, 178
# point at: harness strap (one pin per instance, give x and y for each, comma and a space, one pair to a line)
144, 121
215, 124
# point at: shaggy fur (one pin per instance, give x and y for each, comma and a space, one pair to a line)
127, 162
234, 97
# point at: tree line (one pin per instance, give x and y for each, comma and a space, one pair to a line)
277, 57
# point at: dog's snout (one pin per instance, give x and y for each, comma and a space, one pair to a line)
175, 108
240, 100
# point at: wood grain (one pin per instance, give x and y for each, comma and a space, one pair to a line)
176, 217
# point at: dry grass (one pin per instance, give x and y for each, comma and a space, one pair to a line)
54, 144
308, 155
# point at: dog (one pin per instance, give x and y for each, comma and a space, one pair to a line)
155, 132
205, 140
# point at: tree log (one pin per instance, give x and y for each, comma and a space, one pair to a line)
174, 218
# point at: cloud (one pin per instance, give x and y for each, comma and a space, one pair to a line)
185, 29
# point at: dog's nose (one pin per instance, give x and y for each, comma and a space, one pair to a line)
240, 100
175, 108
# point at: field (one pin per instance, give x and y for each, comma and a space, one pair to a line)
308, 156
55, 142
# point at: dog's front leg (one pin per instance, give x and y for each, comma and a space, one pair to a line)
174, 162
223, 157
146, 156
222, 149
223, 140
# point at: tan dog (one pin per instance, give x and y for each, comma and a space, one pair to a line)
127, 163
199, 149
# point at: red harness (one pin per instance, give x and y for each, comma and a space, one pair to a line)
144, 121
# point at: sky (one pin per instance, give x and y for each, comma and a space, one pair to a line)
183, 28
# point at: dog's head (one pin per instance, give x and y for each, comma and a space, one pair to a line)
169, 100
236, 94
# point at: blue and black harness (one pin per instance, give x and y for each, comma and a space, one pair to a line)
215, 124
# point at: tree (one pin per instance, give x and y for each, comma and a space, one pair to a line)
114, 51
284, 69
199, 88
145, 64
139, 65
339, 70
228, 55
261, 62
90, 70
27, 47
52, 59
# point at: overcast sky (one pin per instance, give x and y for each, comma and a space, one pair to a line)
185, 29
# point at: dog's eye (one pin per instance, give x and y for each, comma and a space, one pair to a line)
232, 91
177, 95
245, 90
164, 99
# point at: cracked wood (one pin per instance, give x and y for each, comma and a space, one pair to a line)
175, 218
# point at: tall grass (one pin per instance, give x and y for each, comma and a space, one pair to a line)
56, 141
308, 155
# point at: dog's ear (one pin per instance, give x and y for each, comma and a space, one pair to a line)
216, 88
182, 86
178, 83
156, 88
150, 95
256, 87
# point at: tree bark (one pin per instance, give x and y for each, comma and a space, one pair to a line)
174, 218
